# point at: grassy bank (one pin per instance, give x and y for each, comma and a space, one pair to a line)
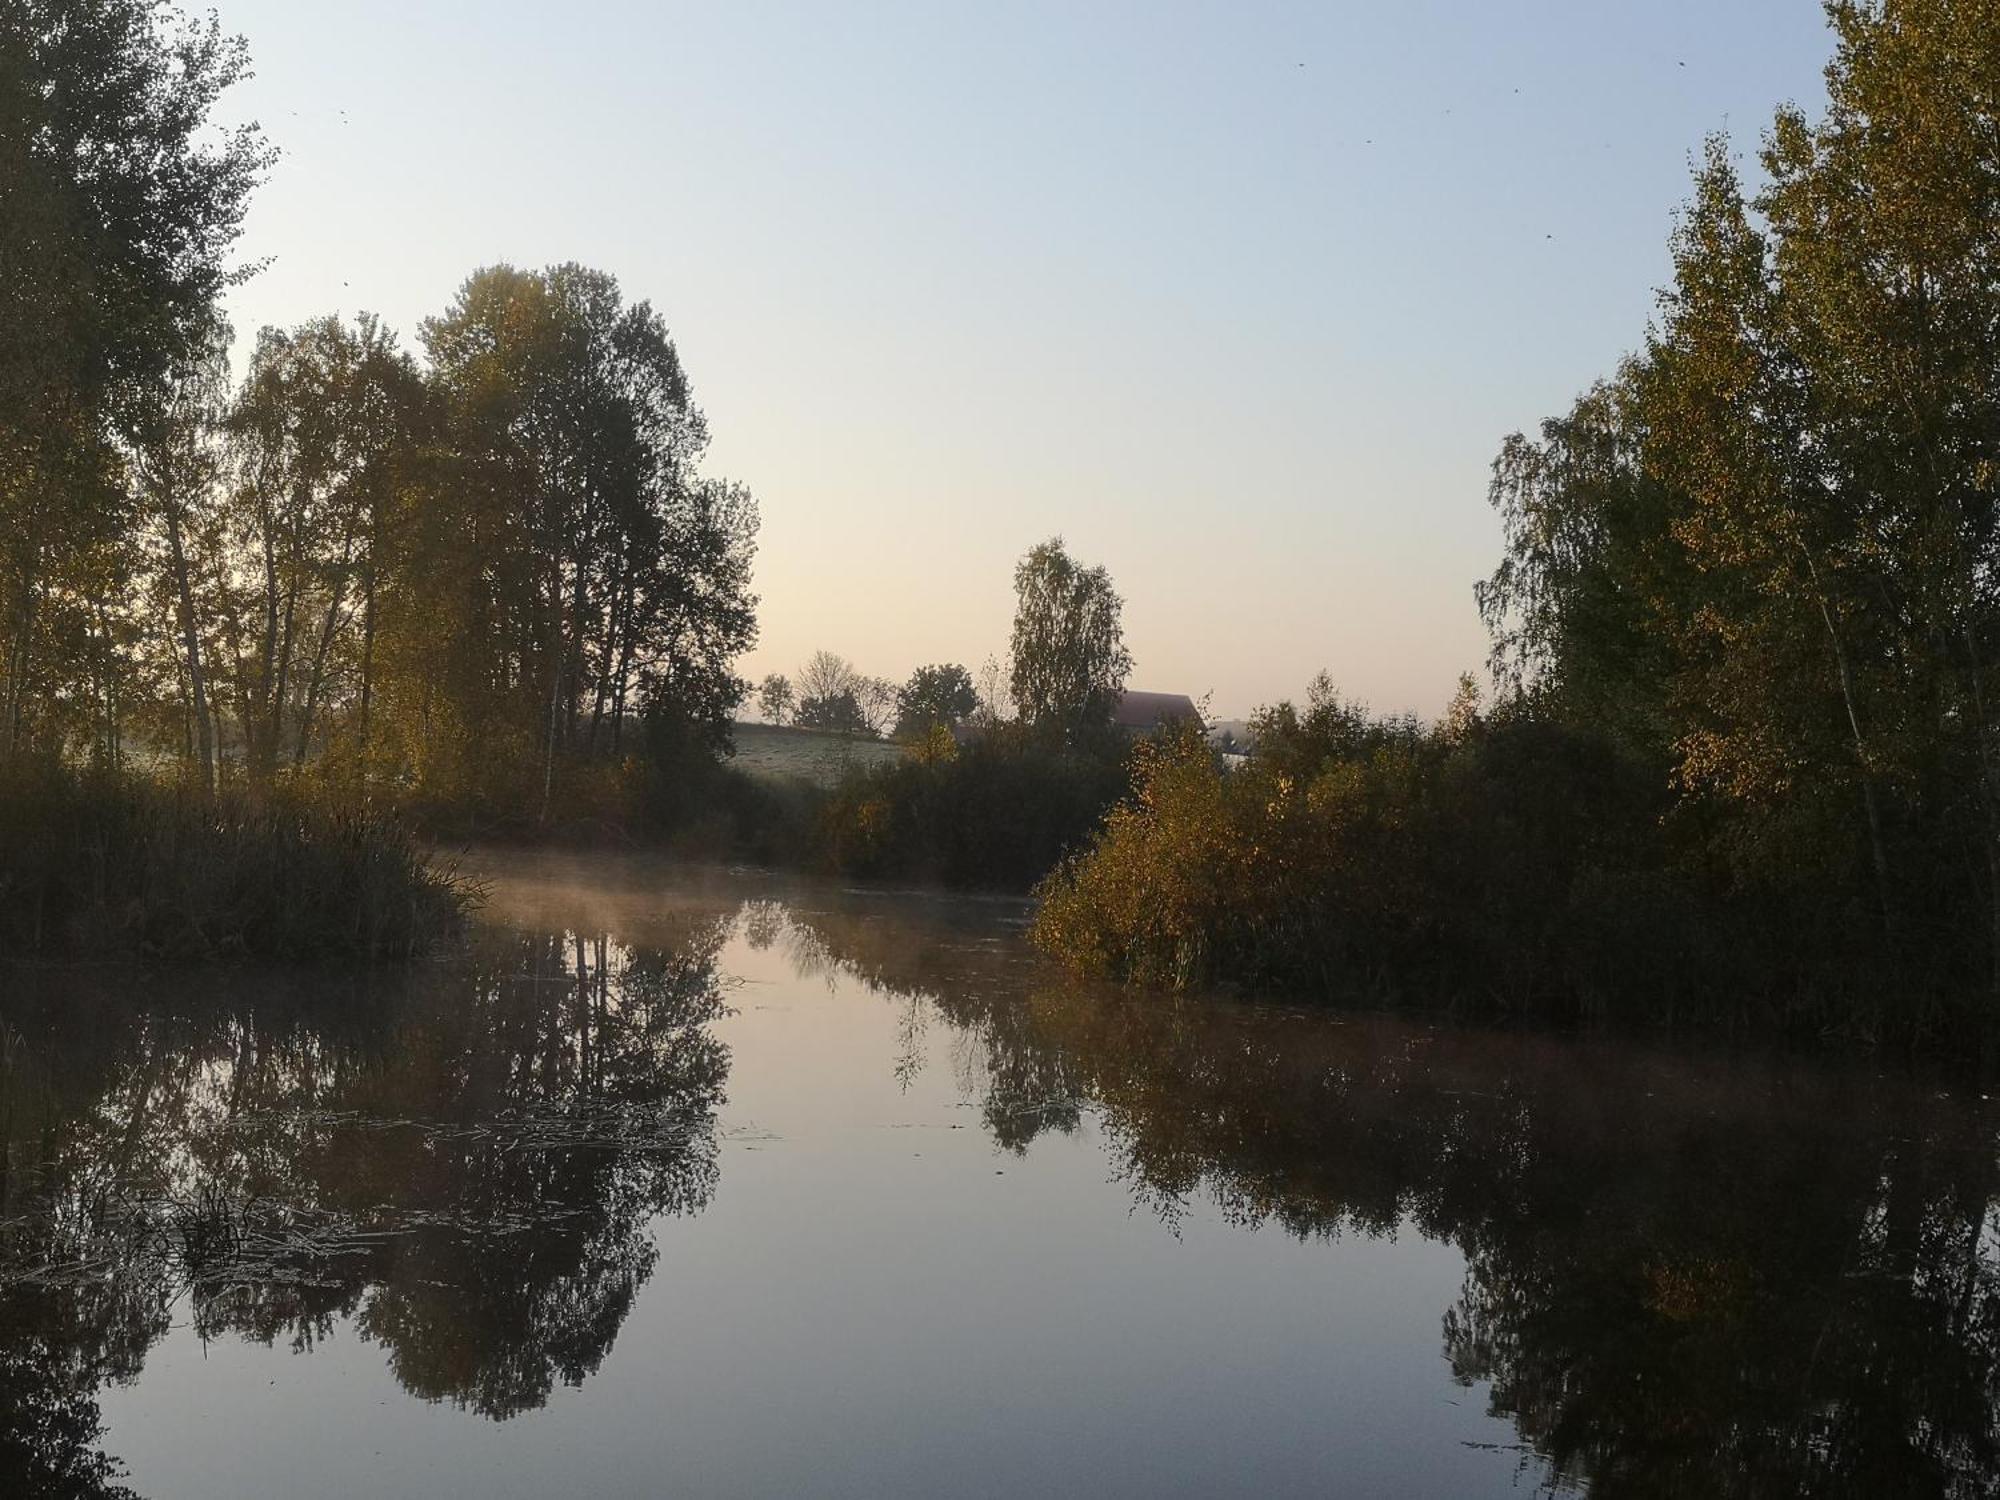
103, 866
784, 753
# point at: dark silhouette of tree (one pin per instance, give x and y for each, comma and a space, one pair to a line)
935, 695
775, 699
830, 695
1760, 557
323, 433
840, 713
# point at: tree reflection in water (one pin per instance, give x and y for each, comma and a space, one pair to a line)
1686, 1274
465, 1164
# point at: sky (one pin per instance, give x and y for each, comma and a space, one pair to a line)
1238, 299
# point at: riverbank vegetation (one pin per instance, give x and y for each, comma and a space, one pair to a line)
275, 616
102, 865
1743, 761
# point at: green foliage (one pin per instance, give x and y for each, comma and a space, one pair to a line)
1511, 863
119, 206
1818, 406
997, 813
604, 574
834, 713
1069, 661
1746, 761
934, 697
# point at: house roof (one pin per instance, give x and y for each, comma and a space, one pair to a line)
1136, 710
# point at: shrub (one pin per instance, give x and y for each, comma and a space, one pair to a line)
997, 813
1512, 865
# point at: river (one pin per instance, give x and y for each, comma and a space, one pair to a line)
717, 1184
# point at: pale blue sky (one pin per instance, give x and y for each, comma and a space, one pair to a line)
949, 278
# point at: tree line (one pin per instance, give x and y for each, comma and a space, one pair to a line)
447, 576
1066, 667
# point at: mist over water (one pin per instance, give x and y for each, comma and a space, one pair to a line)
719, 1184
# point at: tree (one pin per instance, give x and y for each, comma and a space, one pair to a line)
996, 702
1769, 552
935, 695
838, 712
1069, 656
322, 423
178, 465
875, 697
829, 695
614, 575
119, 206
774, 698
826, 675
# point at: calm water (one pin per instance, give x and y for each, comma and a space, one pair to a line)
708, 1186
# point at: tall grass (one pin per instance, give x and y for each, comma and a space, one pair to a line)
94, 864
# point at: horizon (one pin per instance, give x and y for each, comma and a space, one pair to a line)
1241, 307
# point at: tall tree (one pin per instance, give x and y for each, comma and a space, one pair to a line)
178, 466
618, 575
119, 207
1069, 656
1785, 512
323, 421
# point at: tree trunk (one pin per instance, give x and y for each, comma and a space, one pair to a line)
367, 668
613, 620
191, 648
108, 677
313, 682
624, 669
254, 750
1874, 814
17, 659
555, 703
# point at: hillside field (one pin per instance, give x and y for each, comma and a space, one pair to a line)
806, 754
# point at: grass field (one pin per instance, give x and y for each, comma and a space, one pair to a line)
806, 754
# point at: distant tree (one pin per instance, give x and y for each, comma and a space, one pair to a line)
1069, 656
1461, 715
826, 675
838, 712
935, 695
876, 699
176, 469
775, 699
996, 703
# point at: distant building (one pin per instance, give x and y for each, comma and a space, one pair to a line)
1142, 713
